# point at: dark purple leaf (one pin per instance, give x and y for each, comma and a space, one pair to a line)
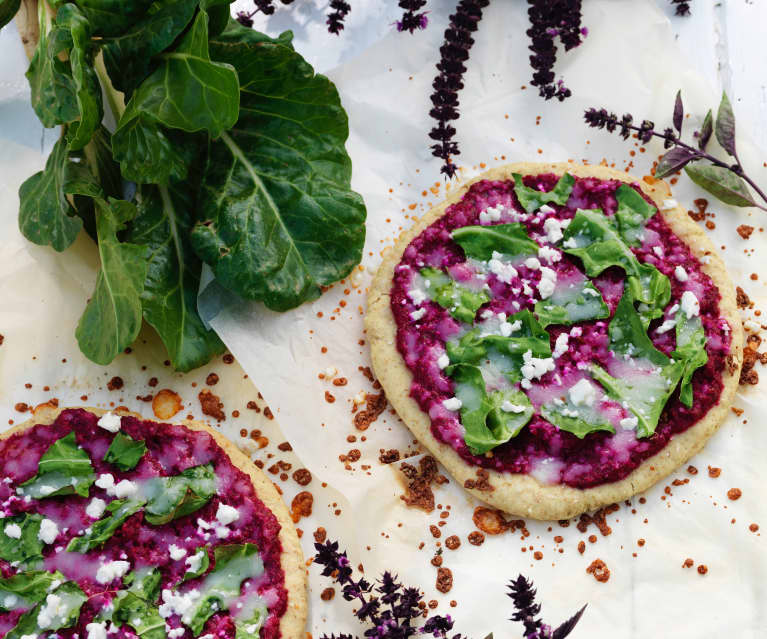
725, 126
721, 183
705, 131
567, 627
678, 112
675, 160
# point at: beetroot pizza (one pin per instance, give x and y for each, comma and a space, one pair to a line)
559, 336
116, 527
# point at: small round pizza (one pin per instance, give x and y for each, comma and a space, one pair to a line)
114, 527
559, 336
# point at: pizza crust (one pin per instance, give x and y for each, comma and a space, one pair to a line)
293, 621
519, 494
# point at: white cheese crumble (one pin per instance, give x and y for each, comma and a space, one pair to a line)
681, 274
549, 254
560, 346
417, 295
96, 630
53, 608
669, 204
452, 404
195, 561
111, 570
535, 367
629, 422
48, 531
576, 331
533, 263
227, 514
417, 314
583, 393
658, 250
508, 407
13, 531
222, 532
95, 508
690, 304
666, 326
443, 361
177, 603
545, 208
176, 552
504, 271
553, 228
124, 488
105, 481
548, 282
110, 421
176, 632
491, 214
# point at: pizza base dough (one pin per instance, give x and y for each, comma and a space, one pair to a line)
293, 621
520, 494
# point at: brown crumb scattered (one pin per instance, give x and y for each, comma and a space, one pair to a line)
581, 547
538, 555
702, 569
301, 506
714, 472
228, 358
452, 542
640, 542
753, 527
481, 483
599, 569
738, 411
433, 603
592, 539
328, 594
688, 563
21, 407
436, 560
268, 413
253, 406
598, 519
211, 405
419, 492
320, 535
166, 404
389, 456
489, 521
153, 381
742, 299
340, 381
734, 494
302, 476
744, 230
285, 447
116, 383
750, 356
374, 406
212, 379
329, 397
692, 470
476, 538
444, 579
435, 532
353, 455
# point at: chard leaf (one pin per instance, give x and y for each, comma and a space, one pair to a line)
112, 318
725, 126
27, 548
169, 299
146, 152
532, 199
706, 130
45, 214
128, 56
461, 302
64, 469
65, 601
690, 349
480, 242
721, 183
202, 552
169, 498
100, 531
113, 17
233, 564
8, 9
570, 304
486, 423
632, 214
125, 452
278, 219
25, 589
593, 238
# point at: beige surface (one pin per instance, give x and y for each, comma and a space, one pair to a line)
521, 494
292, 560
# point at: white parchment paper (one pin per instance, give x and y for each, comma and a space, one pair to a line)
628, 62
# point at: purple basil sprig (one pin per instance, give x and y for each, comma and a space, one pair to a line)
413, 18
393, 611
682, 7
336, 17
727, 181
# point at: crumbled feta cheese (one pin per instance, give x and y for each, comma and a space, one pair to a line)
508, 407
96, 630
491, 214
669, 204
576, 331
504, 271
548, 282
443, 361
452, 404
553, 228
583, 393
222, 532
124, 488
690, 304
48, 531
46, 490
111, 570
505, 329
13, 531
53, 608
545, 208
176, 552
549, 254
658, 250
227, 514
560, 346
195, 561
681, 274
417, 314
173, 633
533, 263
570, 243
526, 289
666, 326
105, 481
111, 422
629, 422
417, 295
95, 508
177, 603
535, 367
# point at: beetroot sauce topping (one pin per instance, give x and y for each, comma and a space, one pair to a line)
426, 329
230, 523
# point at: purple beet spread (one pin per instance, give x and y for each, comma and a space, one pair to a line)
170, 450
553, 455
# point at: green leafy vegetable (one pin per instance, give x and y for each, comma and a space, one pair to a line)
8, 9
25, 589
480, 242
118, 512
488, 419
169, 298
280, 181
462, 302
172, 497
691, 349
722, 183
125, 452
532, 199
64, 469
60, 612
202, 553
571, 303
249, 619
135, 606
628, 336
578, 419
27, 547
112, 318
632, 214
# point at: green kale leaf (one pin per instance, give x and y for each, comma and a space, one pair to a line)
27, 548
480, 242
135, 606
579, 419
169, 498
61, 609
690, 349
100, 531
532, 199
570, 304
461, 302
64, 469
202, 553
125, 452
632, 214
25, 589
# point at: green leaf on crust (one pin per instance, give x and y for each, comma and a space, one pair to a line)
64, 469
125, 452
118, 512
25, 589
721, 183
278, 218
112, 318
135, 606
169, 299
27, 548
690, 349
578, 419
632, 214
628, 336
169, 498
532, 199
461, 302
67, 611
572, 302
202, 553
480, 242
